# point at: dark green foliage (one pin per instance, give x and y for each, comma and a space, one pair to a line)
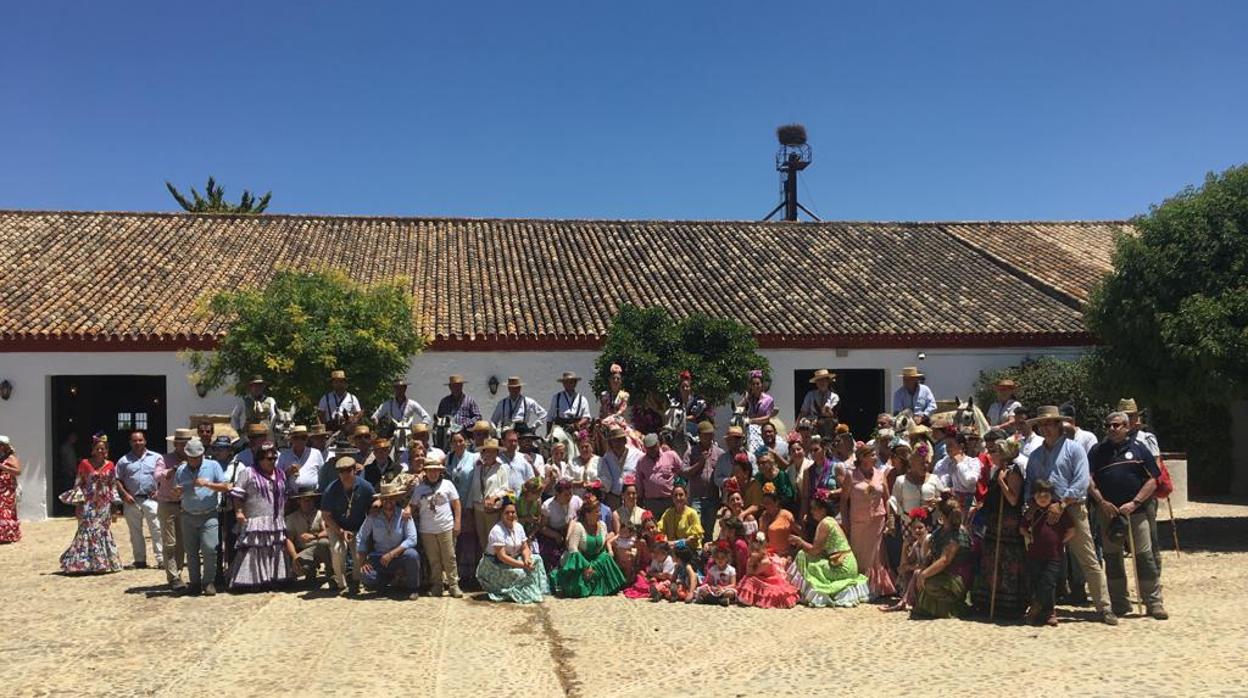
215, 201
653, 349
303, 325
1050, 381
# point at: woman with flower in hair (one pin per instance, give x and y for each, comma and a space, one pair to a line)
917, 488
825, 570
777, 522
769, 473
583, 467
93, 548
734, 507
1002, 554
764, 584
696, 409
759, 409
613, 407
647, 542
939, 583
588, 567
508, 571
864, 509
913, 552
681, 521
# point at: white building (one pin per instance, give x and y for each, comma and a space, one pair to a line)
96, 306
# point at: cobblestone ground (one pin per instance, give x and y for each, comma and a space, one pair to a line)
123, 634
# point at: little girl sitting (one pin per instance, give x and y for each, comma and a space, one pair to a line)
661, 570
625, 549
645, 547
765, 584
685, 579
913, 552
721, 578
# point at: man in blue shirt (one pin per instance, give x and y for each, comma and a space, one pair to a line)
386, 544
913, 395
1064, 463
136, 474
344, 505
198, 482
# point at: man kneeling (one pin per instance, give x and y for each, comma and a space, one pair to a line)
386, 544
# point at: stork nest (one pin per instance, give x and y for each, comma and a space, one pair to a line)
791, 134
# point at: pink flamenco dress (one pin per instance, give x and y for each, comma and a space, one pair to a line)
93, 549
768, 587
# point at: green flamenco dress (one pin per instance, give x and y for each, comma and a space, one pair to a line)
605, 579
821, 583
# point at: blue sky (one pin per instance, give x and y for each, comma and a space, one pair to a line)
916, 111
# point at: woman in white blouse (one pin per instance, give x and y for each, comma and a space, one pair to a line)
507, 571
583, 467
917, 488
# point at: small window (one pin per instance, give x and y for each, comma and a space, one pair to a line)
140, 421
124, 421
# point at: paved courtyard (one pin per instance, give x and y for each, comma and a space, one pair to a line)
122, 634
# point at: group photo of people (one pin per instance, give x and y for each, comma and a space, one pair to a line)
1001, 515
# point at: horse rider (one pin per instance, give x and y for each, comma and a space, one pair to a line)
338, 408
459, 406
517, 409
400, 408
819, 405
568, 408
697, 410
913, 395
254, 408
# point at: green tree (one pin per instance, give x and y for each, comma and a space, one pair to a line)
215, 201
301, 326
653, 349
1172, 318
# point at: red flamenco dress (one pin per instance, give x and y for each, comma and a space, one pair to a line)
10, 529
93, 548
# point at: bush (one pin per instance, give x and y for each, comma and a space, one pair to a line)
1050, 381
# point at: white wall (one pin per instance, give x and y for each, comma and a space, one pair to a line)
26, 417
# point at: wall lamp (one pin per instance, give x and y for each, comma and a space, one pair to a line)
6, 390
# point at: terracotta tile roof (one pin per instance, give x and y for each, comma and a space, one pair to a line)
136, 277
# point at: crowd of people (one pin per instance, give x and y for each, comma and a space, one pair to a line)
936, 519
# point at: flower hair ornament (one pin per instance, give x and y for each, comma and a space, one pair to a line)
680, 481
647, 515
616, 368
769, 488
721, 546
917, 513
582, 435
756, 373
731, 486
824, 495
686, 375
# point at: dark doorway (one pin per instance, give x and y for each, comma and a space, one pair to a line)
861, 391
114, 405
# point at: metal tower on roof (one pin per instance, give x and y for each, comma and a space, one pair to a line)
792, 157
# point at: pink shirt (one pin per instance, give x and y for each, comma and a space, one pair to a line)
866, 496
655, 475
165, 470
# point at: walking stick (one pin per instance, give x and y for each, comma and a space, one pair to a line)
1134, 564
1174, 528
996, 559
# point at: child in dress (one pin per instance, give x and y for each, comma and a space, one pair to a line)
734, 507
685, 580
641, 565
765, 584
913, 553
721, 578
625, 549
1046, 550
662, 569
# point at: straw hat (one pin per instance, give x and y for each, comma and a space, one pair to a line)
256, 380
1127, 404
617, 433
434, 463
344, 463
1046, 413
182, 435
455, 379
822, 374
337, 375
298, 430
706, 428
360, 430
1006, 383
305, 492
390, 490
381, 442
736, 431
515, 382
318, 429
256, 430
399, 380
194, 448
482, 425
419, 428
569, 376
490, 445
911, 372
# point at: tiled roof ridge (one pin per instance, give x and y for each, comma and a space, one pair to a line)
1022, 274
534, 219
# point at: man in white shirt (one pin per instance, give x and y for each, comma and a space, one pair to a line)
1081, 436
568, 408
338, 408
255, 408
523, 467
820, 402
489, 484
619, 459
399, 408
301, 463
517, 408
1028, 440
1001, 412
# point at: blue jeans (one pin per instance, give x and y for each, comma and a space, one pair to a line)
202, 534
383, 575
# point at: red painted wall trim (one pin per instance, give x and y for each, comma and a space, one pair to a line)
585, 343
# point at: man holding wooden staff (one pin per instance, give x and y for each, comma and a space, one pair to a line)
1124, 475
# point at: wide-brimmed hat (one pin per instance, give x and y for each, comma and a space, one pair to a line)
455, 379
735, 431
911, 372
381, 442
257, 430
490, 445
706, 428
1005, 383
390, 490
569, 376
318, 429
617, 433
919, 430
1127, 404
482, 425
434, 463
360, 430
306, 492
344, 463
821, 374
399, 380
255, 380
419, 428
515, 382
337, 375
182, 435
298, 430
1047, 413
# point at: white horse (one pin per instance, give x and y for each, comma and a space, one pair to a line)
283, 422
674, 419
